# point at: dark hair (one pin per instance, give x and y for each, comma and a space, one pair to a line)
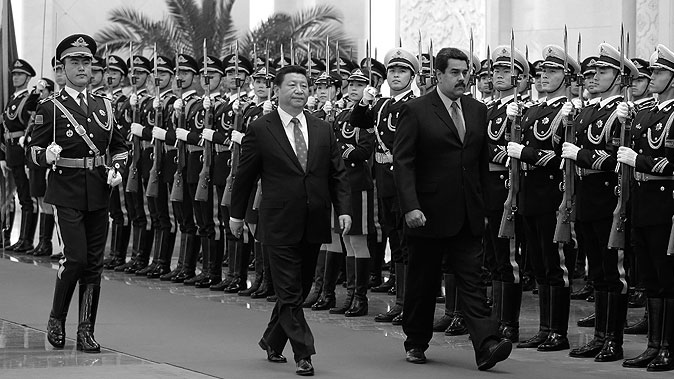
293, 69
447, 53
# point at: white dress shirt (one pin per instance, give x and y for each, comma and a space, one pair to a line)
75, 94
288, 127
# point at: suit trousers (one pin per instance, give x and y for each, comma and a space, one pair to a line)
464, 254
292, 271
84, 234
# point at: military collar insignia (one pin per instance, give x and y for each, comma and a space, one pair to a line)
599, 123
498, 120
658, 126
638, 126
102, 112
80, 43
230, 113
545, 121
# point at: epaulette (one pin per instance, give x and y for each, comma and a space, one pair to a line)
102, 95
49, 98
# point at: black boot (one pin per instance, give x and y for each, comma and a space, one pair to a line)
655, 307
89, 295
113, 239
510, 310
592, 348
400, 292
560, 303
216, 255
327, 300
259, 269
203, 279
613, 344
7, 223
144, 252
441, 324
63, 293
544, 319
192, 246
359, 304
40, 238
663, 361
397, 309
240, 280
588, 321
639, 327
584, 292
181, 259
121, 245
350, 287
46, 248
166, 243
156, 252
136, 239
229, 252
317, 287
267, 287
25, 242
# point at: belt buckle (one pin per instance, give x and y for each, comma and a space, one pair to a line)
89, 163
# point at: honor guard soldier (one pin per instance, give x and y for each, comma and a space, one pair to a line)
378, 72
176, 167
484, 81
424, 81
156, 185
12, 159
540, 196
594, 152
74, 130
538, 74
641, 93
317, 67
97, 84
328, 89
60, 80
382, 115
120, 208
133, 114
652, 209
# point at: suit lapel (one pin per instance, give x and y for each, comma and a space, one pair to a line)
468, 121
275, 127
312, 131
442, 113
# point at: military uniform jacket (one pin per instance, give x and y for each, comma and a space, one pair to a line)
79, 188
356, 145
596, 130
497, 137
383, 115
653, 140
166, 100
190, 98
15, 118
541, 176
223, 124
195, 124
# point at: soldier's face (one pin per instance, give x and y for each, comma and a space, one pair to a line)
96, 77
355, 90
590, 83
19, 79
537, 83
399, 78
231, 79
59, 76
605, 78
164, 79
293, 92
141, 77
640, 86
260, 88
186, 78
502, 78
452, 82
661, 80
78, 71
214, 80
552, 79
483, 83
324, 92
114, 77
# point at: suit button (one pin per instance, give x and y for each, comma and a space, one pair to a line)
641, 151
353, 165
551, 177
606, 184
91, 152
60, 171
526, 143
91, 135
662, 189
88, 120
501, 176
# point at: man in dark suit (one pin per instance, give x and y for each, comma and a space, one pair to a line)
440, 163
302, 173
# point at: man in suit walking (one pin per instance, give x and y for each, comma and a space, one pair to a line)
297, 158
440, 164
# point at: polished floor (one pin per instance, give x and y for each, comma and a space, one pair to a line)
154, 329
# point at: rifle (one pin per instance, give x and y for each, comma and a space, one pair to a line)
178, 184
236, 148
507, 227
616, 239
471, 69
434, 79
201, 193
158, 146
422, 76
258, 193
567, 209
330, 117
133, 181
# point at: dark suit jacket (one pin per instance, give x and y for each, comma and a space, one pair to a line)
435, 172
295, 205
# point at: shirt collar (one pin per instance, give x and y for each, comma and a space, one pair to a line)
644, 100
164, 93
604, 102
554, 100
74, 93
447, 101
286, 117
18, 93
507, 99
398, 97
189, 93
665, 103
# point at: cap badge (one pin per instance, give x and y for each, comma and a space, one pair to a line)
160, 60
137, 60
209, 60
17, 64
182, 59
112, 60
80, 43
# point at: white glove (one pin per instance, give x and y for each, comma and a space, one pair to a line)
158, 133
570, 151
627, 155
512, 110
311, 102
327, 107
136, 129
340, 104
207, 102
577, 103
114, 178
41, 85
515, 150
5, 169
178, 104
52, 153
237, 136
369, 93
267, 107
181, 134
133, 99
156, 103
236, 106
22, 140
567, 108
622, 111
207, 134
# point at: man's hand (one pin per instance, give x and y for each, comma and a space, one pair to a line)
311, 102
206, 102
207, 134
415, 218
236, 106
4, 168
369, 94
236, 226
327, 107
137, 129
570, 151
114, 178
267, 107
158, 133
515, 150
181, 134
178, 104
237, 136
52, 153
345, 223
627, 156
513, 110
133, 99
22, 141
567, 108
623, 111
156, 103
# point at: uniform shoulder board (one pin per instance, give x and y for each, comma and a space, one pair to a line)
99, 94
48, 98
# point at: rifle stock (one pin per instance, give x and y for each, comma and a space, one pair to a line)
207, 155
158, 154
507, 227
567, 209
670, 245
178, 185
616, 239
133, 182
236, 152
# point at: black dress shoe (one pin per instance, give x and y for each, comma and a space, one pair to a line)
457, 327
639, 327
554, 342
587, 322
390, 315
304, 367
637, 299
183, 276
236, 286
56, 257
262, 293
222, 285
589, 350
534, 341
441, 324
495, 352
583, 293
148, 269
611, 352
398, 320
415, 355
272, 356
642, 360
324, 304
384, 287
56, 334
198, 278
374, 281
116, 261
512, 333
158, 272
169, 276
272, 298
206, 282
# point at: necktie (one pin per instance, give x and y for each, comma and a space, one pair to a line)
458, 120
300, 145
83, 104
